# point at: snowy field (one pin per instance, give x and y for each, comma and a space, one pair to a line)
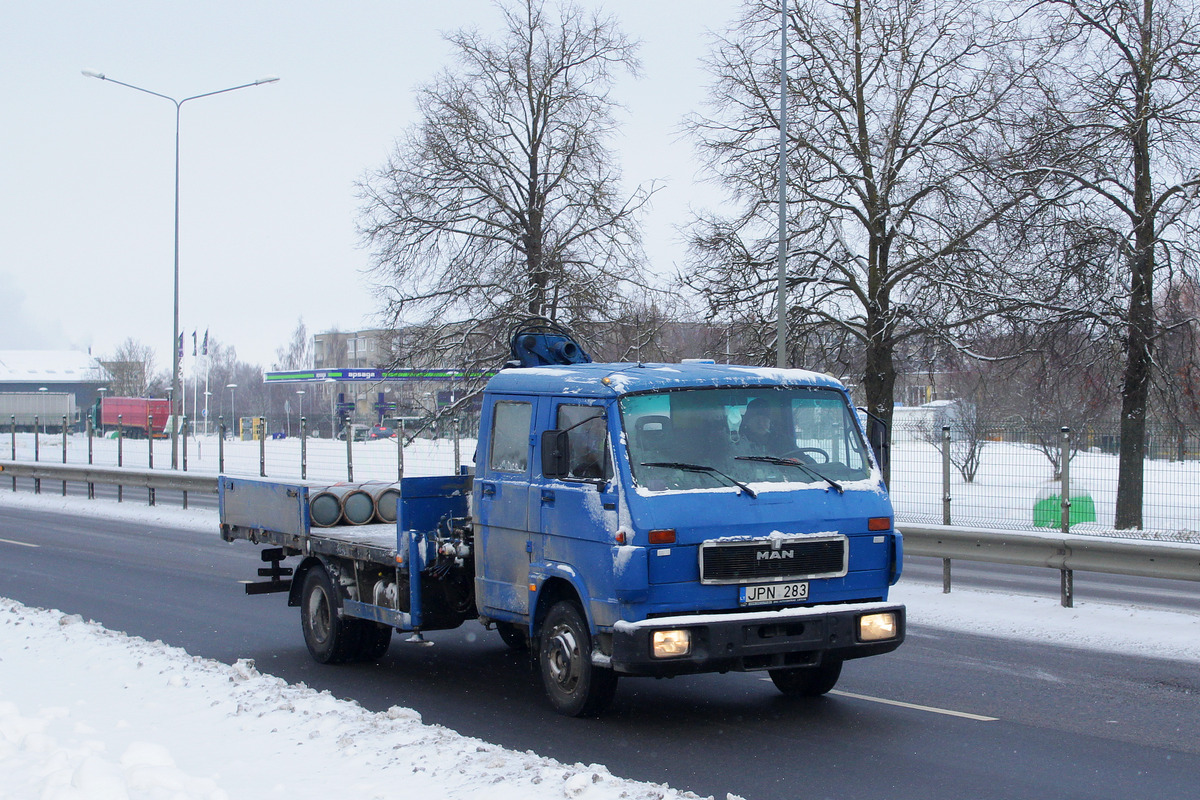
1012, 478
117, 717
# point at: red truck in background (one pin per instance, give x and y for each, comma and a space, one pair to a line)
138, 417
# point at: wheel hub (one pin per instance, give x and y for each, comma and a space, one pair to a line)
563, 659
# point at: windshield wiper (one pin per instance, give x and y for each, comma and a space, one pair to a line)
685, 467
793, 462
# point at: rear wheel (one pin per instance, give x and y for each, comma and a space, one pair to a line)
374, 639
330, 639
574, 685
513, 635
808, 681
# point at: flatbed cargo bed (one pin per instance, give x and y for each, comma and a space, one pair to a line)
273, 512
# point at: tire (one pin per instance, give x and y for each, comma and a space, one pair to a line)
374, 638
330, 639
574, 685
513, 635
808, 681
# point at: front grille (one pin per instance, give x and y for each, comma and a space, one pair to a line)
762, 560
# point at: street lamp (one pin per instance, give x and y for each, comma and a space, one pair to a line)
232, 416
176, 347
332, 384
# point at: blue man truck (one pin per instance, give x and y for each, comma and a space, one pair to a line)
622, 519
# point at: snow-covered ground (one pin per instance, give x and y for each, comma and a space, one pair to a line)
91, 713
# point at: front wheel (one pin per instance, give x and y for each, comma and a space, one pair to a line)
574, 685
808, 681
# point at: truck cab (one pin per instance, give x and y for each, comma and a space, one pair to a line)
661, 519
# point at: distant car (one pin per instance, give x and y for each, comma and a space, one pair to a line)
359, 432
380, 432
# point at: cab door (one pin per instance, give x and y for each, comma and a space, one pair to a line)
502, 490
578, 510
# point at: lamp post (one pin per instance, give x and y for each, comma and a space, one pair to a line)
176, 345
300, 404
42, 390
232, 416
332, 384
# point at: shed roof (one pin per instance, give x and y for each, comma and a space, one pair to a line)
50, 366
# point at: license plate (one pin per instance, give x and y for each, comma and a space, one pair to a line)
773, 593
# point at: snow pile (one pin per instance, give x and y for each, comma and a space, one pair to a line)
88, 713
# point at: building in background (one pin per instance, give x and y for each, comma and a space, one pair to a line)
55, 372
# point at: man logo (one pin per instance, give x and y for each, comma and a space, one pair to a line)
775, 555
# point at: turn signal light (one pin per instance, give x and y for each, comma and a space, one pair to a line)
665, 536
879, 524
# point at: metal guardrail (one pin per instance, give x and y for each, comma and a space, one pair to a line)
114, 476
1064, 552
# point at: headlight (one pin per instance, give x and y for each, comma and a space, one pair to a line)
671, 644
877, 627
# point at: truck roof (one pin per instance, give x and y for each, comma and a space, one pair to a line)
612, 379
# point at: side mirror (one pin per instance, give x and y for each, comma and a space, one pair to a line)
556, 452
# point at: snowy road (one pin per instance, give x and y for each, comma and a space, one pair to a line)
948, 715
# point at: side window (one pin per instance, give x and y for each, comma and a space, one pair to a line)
510, 437
587, 440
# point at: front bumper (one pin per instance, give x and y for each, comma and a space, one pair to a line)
754, 640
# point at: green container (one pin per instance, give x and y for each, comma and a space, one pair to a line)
1047, 512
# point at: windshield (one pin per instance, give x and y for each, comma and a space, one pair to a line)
703, 438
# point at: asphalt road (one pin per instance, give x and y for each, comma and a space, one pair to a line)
982, 718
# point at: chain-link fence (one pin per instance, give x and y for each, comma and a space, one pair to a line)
1013, 478
1009, 478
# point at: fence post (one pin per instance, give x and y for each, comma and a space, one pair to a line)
91, 431
13, 431
349, 451
184, 425
262, 448
945, 474
37, 482
400, 452
945, 501
1067, 583
303, 449
120, 452
221, 445
64, 435
150, 453
457, 458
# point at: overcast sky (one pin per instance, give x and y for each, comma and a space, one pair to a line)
267, 198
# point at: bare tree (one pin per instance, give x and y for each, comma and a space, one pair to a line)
297, 353
903, 162
1132, 95
504, 202
132, 368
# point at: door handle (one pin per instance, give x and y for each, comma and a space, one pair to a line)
489, 489
547, 497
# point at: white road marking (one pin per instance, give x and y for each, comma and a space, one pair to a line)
22, 544
931, 709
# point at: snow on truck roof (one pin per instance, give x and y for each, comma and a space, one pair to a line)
607, 380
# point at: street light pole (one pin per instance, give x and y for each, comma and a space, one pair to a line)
176, 347
232, 415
